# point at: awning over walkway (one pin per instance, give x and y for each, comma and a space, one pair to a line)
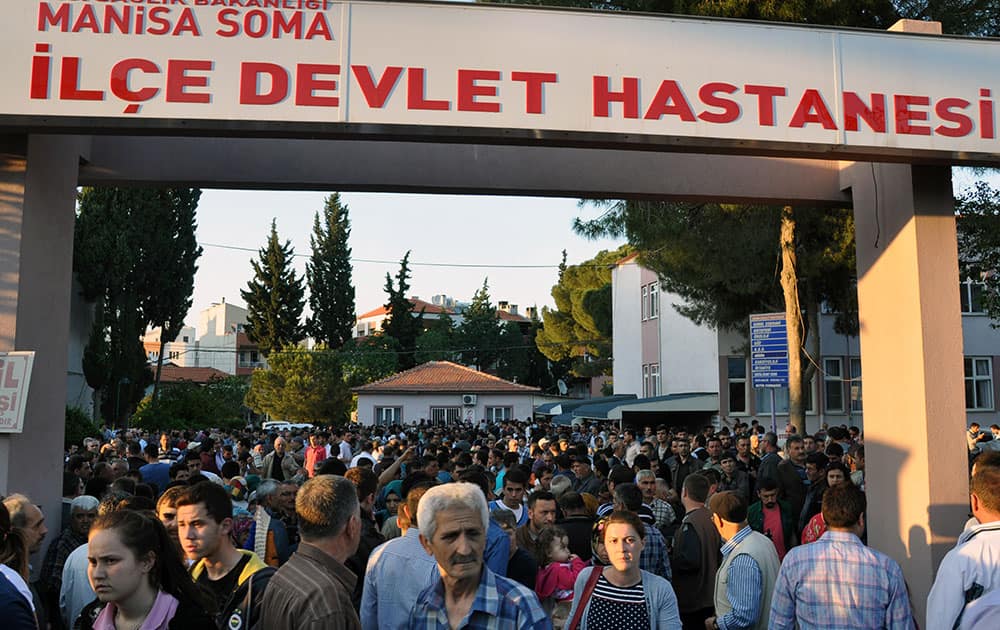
568, 405
700, 402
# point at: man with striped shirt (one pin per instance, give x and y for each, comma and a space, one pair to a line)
745, 580
816, 579
313, 589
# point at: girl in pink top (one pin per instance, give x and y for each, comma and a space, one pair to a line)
554, 583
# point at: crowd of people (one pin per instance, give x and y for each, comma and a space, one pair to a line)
505, 525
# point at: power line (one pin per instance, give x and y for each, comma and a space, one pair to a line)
396, 262
416, 264
344, 351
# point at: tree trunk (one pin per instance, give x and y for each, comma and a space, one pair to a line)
159, 366
95, 411
812, 340
793, 317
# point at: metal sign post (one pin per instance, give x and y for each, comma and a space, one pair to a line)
769, 355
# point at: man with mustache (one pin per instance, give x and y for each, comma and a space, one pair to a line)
773, 517
453, 520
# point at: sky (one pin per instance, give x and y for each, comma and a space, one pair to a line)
453, 231
447, 230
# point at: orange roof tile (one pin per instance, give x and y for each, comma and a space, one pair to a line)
418, 305
243, 340
170, 373
511, 317
444, 376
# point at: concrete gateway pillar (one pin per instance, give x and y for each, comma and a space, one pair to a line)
38, 179
911, 362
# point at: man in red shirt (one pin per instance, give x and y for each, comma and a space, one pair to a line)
772, 517
316, 452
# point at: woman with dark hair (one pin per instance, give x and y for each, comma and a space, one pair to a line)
836, 474
621, 596
139, 579
16, 608
599, 553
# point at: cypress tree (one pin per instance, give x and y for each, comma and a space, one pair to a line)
479, 333
275, 297
401, 323
328, 273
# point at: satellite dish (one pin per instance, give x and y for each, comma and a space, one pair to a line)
561, 384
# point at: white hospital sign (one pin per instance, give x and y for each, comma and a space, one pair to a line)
15, 375
338, 68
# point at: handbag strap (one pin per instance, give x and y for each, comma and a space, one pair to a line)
585, 597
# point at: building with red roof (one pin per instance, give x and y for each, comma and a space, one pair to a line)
443, 392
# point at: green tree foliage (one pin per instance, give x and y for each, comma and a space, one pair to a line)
979, 244
275, 297
328, 273
437, 342
725, 261
957, 17
368, 359
401, 323
515, 357
187, 405
301, 386
579, 328
96, 358
171, 262
479, 333
862, 13
134, 255
79, 425
543, 372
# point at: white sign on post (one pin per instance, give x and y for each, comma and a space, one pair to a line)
15, 374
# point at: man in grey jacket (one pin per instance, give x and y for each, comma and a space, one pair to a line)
279, 463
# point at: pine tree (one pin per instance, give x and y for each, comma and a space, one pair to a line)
275, 297
578, 330
401, 323
479, 334
328, 273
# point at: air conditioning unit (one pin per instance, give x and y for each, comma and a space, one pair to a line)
469, 400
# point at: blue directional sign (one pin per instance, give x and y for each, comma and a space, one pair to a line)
769, 350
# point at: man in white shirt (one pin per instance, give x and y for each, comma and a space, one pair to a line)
75, 592
345, 448
973, 437
972, 568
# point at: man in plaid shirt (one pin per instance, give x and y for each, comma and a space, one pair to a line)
816, 580
453, 521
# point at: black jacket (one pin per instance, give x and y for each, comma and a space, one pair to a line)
579, 529
245, 601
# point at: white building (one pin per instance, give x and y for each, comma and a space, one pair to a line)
218, 342
658, 351
443, 392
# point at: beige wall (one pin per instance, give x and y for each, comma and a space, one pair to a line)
911, 340
38, 176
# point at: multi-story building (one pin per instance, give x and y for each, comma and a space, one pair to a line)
659, 351
371, 322
218, 342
